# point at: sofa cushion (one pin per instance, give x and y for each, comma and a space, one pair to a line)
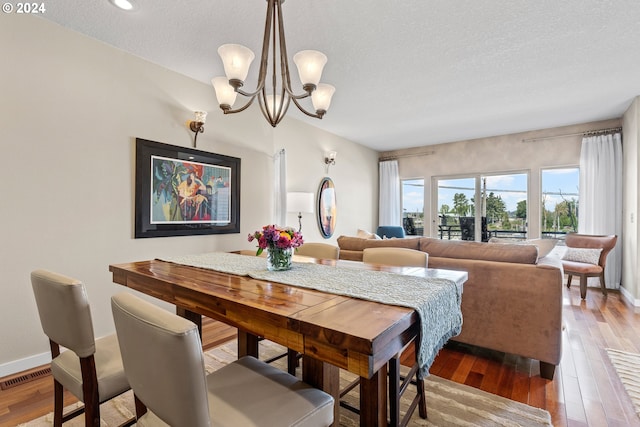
584, 255
545, 246
357, 244
507, 252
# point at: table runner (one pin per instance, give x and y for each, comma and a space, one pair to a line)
437, 301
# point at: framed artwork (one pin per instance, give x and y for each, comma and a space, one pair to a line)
183, 191
326, 207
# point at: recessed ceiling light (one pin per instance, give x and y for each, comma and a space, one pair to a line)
123, 4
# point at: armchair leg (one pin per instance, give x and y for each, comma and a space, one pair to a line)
602, 285
583, 287
569, 281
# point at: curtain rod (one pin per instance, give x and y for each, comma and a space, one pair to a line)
585, 133
399, 156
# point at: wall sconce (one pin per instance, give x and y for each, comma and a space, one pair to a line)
300, 202
197, 125
330, 159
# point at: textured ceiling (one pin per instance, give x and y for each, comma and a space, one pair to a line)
412, 72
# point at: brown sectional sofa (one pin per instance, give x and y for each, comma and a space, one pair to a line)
512, 301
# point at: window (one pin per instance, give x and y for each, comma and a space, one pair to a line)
454, 206
494, 204
413, 206
505, 205
559, 205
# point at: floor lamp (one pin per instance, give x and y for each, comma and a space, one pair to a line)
300, 202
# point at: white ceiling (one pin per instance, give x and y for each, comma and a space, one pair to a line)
408, 72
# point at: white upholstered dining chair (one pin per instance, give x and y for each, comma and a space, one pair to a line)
90, 369
164, 363
402, 257
319, 250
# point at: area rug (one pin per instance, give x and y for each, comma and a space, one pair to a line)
448, 403
627, 367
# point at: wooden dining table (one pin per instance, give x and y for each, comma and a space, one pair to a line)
332, 332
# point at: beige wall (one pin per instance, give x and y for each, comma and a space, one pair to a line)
70, 111
631, 131
355, 176
505, 153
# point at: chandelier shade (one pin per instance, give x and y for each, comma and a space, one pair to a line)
273, 89
224, 92
310, 64
236, 60
321, 97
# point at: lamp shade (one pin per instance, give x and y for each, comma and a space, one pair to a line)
225, 94
310, 64
236, 59
300, 202
321, 97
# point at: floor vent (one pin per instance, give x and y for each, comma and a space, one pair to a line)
24, 378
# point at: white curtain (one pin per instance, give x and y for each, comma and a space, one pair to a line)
280, 188
600, 210
389, 212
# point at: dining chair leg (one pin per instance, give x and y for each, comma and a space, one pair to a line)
141, 408
397, 387
422, 403
90, 391
394, 391
58, 403
292, 361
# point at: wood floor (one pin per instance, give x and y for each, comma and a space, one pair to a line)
584, 392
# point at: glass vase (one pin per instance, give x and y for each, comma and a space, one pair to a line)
279, 259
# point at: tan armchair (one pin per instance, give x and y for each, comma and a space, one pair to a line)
163, 360
584, 270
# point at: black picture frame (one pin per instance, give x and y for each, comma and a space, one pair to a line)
182, 191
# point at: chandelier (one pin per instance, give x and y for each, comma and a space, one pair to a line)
274, 95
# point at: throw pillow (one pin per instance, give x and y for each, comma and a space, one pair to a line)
364, 234
545, 246
585, 255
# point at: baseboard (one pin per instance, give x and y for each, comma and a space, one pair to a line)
16, 366
628, 297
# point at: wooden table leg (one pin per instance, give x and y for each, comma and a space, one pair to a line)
247, 344
325, 377
373, 399
190, 315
